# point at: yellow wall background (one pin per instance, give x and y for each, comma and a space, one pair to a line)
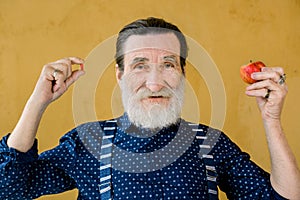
33, 33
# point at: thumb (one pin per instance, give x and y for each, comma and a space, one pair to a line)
74, 77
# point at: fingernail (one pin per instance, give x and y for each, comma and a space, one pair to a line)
253, 75
263, 69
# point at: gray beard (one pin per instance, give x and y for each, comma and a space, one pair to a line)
158, 116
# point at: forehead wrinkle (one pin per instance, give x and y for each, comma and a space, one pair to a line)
147, 54
150, 50
139, 59
144, 55
164, 41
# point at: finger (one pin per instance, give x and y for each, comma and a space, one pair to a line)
65, 65
280, 71
272, 75
58, 81
76, 60
74, 77
57, 74
259, 89
59, 71
63, 68
257, 93
276, 69
71, 60
268, 84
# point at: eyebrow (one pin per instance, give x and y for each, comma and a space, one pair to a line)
171, 58
138, 60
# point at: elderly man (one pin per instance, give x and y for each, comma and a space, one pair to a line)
150, 152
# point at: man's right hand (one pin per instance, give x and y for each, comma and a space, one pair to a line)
55, 79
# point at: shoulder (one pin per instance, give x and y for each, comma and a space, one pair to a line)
87, 130
214, 139
84, 137
202, 130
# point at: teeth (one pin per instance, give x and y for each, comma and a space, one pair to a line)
156, 96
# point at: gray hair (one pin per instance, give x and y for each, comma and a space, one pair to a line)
145, 26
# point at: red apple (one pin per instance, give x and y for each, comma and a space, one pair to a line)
247, 70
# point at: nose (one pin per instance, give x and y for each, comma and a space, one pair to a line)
154, 87
154, 80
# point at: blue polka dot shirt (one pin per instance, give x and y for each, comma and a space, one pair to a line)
113, 159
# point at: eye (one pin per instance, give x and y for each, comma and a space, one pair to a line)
168, 65
140, 66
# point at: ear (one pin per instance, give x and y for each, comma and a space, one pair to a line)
119, 73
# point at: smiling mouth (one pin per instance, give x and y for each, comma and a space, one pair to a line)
156, 97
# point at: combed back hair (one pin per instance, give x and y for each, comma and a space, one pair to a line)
150, 25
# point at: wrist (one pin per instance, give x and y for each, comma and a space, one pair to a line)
273, 129
272, 122
36, 104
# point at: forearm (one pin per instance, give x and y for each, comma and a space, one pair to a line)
26, 175
285, 175
23, 135
49, 87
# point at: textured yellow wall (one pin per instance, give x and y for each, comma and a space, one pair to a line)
35, 32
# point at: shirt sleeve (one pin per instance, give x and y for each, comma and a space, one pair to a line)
27, 176
238, 176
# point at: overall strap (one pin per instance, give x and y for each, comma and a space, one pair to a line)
109, 129
205, 144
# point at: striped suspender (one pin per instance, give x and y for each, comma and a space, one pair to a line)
106, 160
211, 175
205, 147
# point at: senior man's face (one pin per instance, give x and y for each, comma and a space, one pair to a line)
152, 83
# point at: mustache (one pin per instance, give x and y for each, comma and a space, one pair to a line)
145, 93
